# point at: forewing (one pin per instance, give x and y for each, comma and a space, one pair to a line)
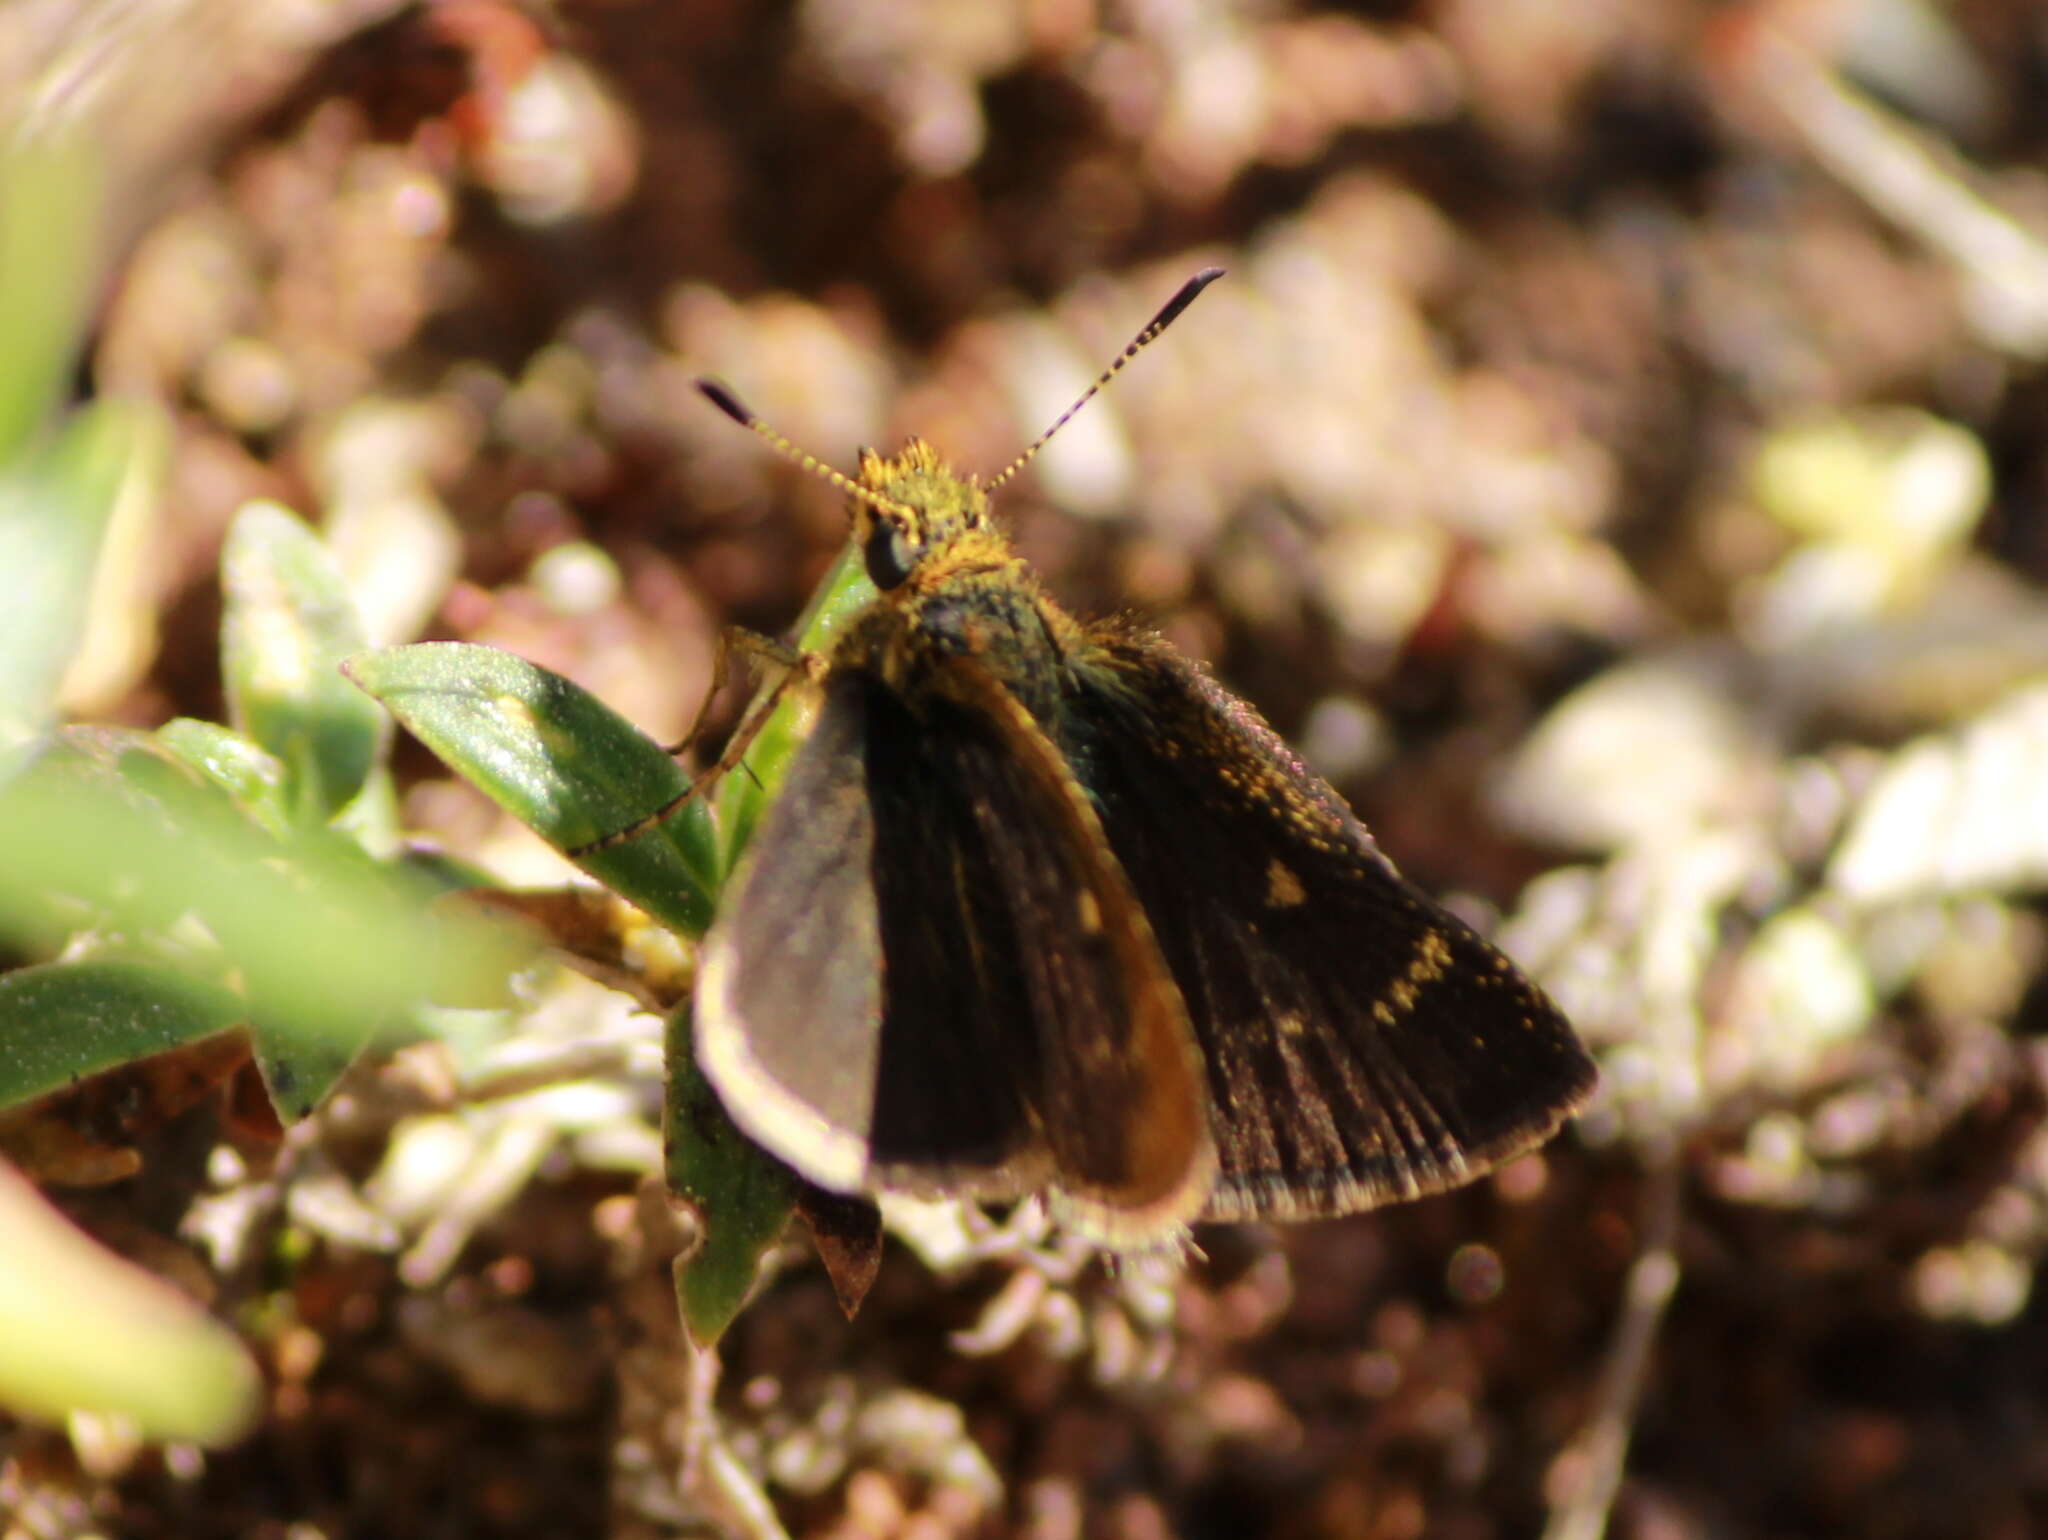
1362, 1044
929, 975
1119, 1095
789, 989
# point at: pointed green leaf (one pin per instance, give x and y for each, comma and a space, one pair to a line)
54, 509
63, 1021
742, 1195
559, 760
288, 623
298, 1072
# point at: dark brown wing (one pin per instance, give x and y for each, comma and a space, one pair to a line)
1362, 1044
930, 973
788, 1005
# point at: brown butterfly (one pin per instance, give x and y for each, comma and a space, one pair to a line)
1042, 908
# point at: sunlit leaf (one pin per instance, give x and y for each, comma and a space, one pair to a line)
47, 277
324, 944
559, 760
288, 623
82, 1330
54, 508
237, 765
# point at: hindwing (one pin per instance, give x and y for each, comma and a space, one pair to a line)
1361, 1043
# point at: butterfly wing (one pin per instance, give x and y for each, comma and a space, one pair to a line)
931, 974
788, 1004
1362, 1044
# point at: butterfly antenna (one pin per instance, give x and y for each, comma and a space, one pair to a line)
1168, 314
721, 396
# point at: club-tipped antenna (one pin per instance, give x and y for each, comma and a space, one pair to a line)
720, 395
1168, 314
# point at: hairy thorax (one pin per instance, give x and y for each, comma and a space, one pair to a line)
975, 600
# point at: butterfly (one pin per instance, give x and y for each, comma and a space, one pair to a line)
1041, 908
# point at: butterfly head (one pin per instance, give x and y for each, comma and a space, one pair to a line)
918, 508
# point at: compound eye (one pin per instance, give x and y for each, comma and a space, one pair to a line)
888, 554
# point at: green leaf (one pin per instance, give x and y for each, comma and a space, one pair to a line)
742, 1195
54, 510
50, 190
288, 623
150, 774
326, 945
63, 1021
300, 1073
742, 798
243, 769
82, 1330
559, 760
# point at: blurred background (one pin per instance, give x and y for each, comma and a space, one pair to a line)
1617, 459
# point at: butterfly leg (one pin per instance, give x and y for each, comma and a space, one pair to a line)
762, 650
797, 666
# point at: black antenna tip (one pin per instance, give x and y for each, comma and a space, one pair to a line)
722, 398
1184, 297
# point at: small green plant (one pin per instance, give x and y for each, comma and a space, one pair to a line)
205, 878
574, 771
169, 886
179, 883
